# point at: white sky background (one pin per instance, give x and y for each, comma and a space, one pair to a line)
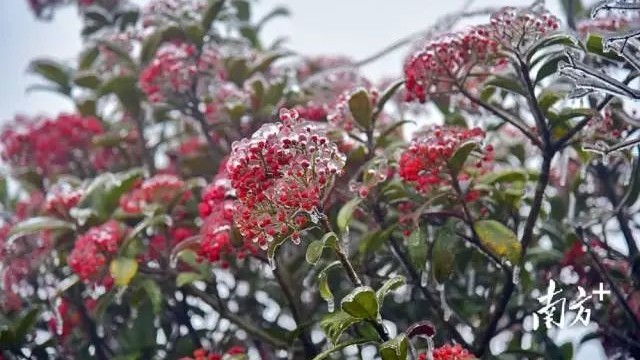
356, 28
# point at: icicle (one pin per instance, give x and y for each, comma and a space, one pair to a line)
443, 302
331, 305
564, 169
515, 275
430, 348
471, 284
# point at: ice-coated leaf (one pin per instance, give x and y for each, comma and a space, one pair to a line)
314, 250
211, 13
499, 239
394, 349
35, 225
336, 323
444, 252
346, 213
460, 156
361, 108
361, 303
154, 293
186, 278
389, 286
323, 286
417, 247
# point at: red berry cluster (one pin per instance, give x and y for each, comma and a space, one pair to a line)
449, 352
424, 163
340, 114
60, 201
445, 61
202, 354
49, 145
162, 189
159, 244
519, 28
280, 176
217, 210
177, 69
90, 251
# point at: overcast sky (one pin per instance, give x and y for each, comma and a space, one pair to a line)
355, 28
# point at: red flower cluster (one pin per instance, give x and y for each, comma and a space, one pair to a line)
449, 352
519, 28
90, 251
424, 163
202, 354
50, 145
161, 189
177, 69
280, 176
158, 244
217, 210
445, 61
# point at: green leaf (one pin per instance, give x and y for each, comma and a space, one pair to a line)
387, 95
360, 107
126, 90
185, 278
499, 239
87, 80
37, 224
394, 349
211, 13
549, 67
54, 72
504, 176
123, 270
460, 156
88, 57
548, 98
361, 303
271, 251
278, 11
327, 353
323, 285
594, 45
389, 286
444, 252
506, 83
103, 194
26, 324
346, 213
154, 293
314, 250
336, 323
417, 247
